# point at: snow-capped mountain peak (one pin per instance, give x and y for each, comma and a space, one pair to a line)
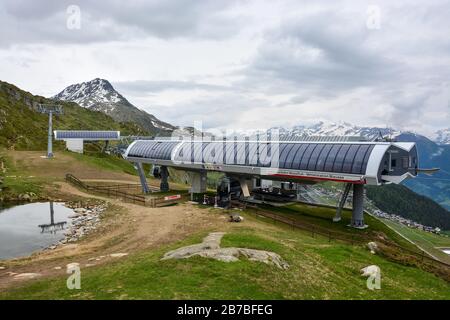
88, 94
442, 136
100, 95
340, 129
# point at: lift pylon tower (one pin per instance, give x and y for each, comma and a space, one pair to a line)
50, 109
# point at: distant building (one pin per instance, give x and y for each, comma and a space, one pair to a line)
75, 138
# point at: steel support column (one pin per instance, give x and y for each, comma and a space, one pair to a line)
342, 201
164, 185
358, 207
140, 169
50, 135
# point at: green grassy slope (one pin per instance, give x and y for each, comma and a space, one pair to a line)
318, 270
23, 128
427, 241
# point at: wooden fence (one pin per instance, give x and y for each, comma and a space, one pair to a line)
108, 190
125, 192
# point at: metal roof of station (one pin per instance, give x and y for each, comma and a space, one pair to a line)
86, 135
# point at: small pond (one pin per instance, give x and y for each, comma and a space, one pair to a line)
27, 228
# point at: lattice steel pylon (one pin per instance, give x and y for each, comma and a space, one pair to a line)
50, 109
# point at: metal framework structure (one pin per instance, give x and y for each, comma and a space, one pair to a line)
355, 163
50, 109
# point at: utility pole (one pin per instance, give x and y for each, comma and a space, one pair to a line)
50, 110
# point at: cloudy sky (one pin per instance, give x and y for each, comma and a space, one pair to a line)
245, 64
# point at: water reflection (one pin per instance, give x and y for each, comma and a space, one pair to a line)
52, 227
31, 227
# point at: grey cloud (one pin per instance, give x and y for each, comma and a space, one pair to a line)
313, 53
45, 21
145, 86
222, 110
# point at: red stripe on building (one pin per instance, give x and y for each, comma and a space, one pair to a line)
362, 181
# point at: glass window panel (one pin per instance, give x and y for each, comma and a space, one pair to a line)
285, 151
331, 157
314, 156
162, 153
209, 152
359, 158
252, 154
366, 159
147, 150
240, 153
348, 161
306, 155
323, 157
230, 152
168, 150
198, 147
262, 155
158, 150
297, 156
339, 161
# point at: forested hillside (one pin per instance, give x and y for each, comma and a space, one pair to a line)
22, 127
400, 200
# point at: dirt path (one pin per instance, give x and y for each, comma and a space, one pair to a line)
128, 228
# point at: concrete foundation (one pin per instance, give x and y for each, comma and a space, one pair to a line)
198, 182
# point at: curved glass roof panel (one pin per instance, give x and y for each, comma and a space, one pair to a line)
336, 157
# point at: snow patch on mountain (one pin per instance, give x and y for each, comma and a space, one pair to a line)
442, 136
338, 129
88, 94
99, 95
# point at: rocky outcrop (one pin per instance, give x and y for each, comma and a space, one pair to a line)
210, 248
373, 247
85, 219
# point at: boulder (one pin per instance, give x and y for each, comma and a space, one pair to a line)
236, 218
24, 197
371, 270
373, 247
210, 248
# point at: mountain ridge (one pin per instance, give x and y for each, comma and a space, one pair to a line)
22, 127
99, 95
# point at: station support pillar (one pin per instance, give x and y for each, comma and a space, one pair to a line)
144, 185
358, 207
164, 185
198, 183
342, 201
